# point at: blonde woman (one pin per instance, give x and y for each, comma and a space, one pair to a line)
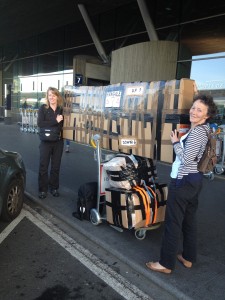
50, 116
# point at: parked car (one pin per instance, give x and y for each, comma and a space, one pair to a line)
12, 184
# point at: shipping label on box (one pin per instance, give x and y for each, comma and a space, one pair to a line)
128, 141
113, 96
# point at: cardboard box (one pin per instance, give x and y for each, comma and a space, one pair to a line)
178, 94
126, 208
173, 121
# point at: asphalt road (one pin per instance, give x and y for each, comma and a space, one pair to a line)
41, 262
204, 281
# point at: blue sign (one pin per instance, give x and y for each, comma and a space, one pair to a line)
78, 79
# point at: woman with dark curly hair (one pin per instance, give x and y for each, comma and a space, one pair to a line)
184, 189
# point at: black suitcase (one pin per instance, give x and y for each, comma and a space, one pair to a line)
87, 199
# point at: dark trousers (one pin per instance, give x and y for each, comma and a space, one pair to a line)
182, 204
50, 152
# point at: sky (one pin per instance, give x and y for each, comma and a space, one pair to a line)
209, 73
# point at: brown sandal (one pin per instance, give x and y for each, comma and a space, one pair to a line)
186, 263
150, 266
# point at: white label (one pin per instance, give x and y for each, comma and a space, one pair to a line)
113, 99
135, 91
128, 142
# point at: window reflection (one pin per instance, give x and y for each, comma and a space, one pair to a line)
32, 88
208, 71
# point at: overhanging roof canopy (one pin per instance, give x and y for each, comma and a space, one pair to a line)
205, 34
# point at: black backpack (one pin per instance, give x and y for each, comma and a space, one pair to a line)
87, 199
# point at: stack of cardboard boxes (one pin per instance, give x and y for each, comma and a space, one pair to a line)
132, 118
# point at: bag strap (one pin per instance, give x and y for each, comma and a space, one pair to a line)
155, 202
145, 196
61, 112
208, 136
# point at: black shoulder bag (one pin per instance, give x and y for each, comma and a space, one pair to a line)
51, 134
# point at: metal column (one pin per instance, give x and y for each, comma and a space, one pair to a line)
152, 34
93, 34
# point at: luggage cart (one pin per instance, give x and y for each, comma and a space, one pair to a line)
220, 167
140, 233
28, 120
95, 216
33, 121
24, 123
35, 115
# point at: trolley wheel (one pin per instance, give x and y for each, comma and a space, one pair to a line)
140, 234
219, 170
95, 217
209, 175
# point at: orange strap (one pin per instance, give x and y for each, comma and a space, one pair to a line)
156, 207
145, 196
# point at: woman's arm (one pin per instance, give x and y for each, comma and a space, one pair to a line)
195, 143
45, 119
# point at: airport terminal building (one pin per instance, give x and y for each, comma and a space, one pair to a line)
100, 43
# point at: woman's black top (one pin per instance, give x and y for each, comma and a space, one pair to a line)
47, 118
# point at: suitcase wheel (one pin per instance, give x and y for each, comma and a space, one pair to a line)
140, 234
95, 217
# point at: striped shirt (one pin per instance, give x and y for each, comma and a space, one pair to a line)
191, 153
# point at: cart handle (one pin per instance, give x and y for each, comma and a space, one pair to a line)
94, 140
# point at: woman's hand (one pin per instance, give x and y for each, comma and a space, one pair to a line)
59, 118
174, 136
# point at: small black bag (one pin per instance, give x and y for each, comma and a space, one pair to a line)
87, 199
49, 134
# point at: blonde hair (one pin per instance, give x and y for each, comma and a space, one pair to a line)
56, 92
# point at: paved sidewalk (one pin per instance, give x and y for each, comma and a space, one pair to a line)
204, 281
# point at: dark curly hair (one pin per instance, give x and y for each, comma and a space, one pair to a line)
208, 101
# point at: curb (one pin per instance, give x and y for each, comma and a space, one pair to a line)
136, 267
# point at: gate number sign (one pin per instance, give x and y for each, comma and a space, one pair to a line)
78, 79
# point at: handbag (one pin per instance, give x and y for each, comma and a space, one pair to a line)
49, 134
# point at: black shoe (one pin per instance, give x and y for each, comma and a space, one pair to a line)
42, 195
55, 193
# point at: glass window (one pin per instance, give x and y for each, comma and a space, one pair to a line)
208, 71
